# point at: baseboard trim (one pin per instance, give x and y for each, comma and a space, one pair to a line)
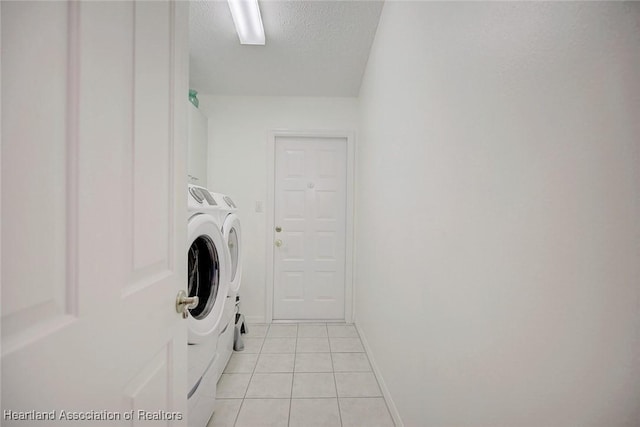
393, 410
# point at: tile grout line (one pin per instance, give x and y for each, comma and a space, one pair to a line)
335, 381
235, 419
375, 375
295, 356
250, 378
333, 371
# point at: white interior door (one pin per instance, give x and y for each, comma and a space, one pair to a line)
93, 212
310, 228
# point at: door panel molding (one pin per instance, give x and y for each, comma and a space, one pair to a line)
349, 136
42, 300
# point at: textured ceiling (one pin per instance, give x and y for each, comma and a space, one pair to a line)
313, 48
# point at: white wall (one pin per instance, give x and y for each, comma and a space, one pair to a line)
500, 145
238, 132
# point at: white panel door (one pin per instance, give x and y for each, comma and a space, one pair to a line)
310, 228
93, 212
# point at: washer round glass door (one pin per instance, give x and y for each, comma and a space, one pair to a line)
207, 276
204, 275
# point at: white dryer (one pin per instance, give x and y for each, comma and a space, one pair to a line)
232, 233
208, 279
230, 229
208, 265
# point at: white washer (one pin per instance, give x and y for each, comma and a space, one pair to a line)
230, 229
208, 279
208, 265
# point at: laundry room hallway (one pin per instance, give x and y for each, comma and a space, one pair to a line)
300, 375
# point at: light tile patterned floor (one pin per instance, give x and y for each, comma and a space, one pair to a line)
300, 375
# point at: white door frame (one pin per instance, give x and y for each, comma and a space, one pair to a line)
349, 214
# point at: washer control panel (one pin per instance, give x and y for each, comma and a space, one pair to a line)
201, 194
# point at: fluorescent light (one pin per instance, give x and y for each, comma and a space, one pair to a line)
246, 17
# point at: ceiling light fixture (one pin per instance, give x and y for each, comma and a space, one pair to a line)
246, 17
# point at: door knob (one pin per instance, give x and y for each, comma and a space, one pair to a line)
278, 229
278, 243
184, 303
